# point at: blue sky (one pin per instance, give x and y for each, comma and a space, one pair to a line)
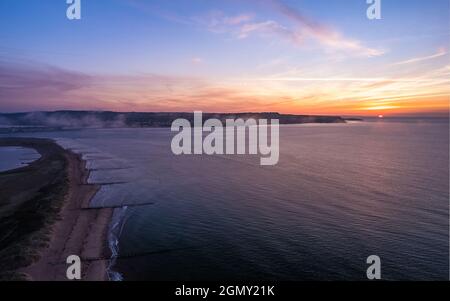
227, 44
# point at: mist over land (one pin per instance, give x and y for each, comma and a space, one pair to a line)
109, 119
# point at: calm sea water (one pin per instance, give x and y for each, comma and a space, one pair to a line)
340, 193
16, 157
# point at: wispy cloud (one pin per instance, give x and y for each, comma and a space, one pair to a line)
197, 60
296, 28
270, 28
218, 22
238, 19
325, 35
439, 53
156, 10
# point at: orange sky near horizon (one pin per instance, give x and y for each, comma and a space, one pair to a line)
345, 96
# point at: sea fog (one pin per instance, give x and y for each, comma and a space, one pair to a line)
340, 193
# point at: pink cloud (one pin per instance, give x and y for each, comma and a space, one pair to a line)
299, 29
270, 28
325, 35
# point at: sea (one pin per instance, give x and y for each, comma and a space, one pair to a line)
16, 157
339, 194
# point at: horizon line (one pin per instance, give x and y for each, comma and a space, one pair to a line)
395, 115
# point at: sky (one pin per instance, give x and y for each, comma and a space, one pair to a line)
289, 56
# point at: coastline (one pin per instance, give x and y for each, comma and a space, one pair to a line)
69, 227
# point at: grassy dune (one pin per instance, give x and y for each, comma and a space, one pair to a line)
30, 201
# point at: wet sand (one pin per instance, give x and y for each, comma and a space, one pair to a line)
59, 225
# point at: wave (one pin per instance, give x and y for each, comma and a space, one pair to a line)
115, 231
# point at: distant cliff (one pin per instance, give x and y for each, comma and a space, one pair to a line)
90, 119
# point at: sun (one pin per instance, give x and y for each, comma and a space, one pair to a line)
380, 116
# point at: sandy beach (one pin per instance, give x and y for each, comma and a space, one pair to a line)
45, 214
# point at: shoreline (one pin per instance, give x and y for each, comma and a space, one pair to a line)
71, 230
